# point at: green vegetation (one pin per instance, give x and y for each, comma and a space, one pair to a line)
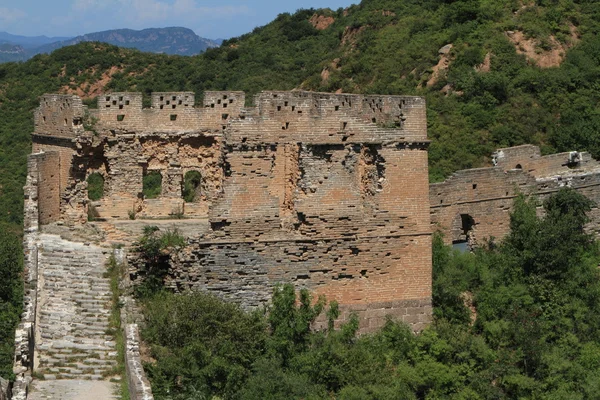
534, 332
154, 248
115, 273
11, 296
152, 185
191, 185
95, 186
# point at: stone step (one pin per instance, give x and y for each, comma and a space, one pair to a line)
74, 311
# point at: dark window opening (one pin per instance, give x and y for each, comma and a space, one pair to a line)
337, 108
192, 182
95, 186
474, 186
464, 239
152, 184
344, 125
374, 120
173, 117
278, 108
224, 116
120, 106
518, 166
120, 117
126, 102
224, 105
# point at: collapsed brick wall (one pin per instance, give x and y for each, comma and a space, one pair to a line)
474, 205
326, 191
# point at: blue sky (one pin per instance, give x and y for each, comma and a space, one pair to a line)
208, 18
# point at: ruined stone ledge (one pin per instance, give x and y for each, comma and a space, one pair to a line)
305, 240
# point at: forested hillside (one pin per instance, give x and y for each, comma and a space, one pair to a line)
516, 72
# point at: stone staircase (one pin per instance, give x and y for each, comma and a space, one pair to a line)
73, 341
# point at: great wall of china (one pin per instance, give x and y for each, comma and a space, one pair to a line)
329, 192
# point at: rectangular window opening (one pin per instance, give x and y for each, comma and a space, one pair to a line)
173, 117
120, 117
224, 116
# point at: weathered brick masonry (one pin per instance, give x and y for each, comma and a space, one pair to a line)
329, 192
475, 204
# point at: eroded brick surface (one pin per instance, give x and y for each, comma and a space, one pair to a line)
329, 192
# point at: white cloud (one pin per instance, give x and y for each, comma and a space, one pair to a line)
8, 15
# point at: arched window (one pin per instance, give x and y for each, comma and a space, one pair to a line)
152, 184
518, 166
191, 186
95, 188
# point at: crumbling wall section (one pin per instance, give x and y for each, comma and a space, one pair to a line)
480, 200
327, 191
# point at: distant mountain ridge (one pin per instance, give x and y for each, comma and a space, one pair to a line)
29, 42
171, 40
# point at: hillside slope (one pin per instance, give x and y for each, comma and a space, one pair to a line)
495, 73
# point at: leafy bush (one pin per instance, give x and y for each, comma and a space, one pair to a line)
154, 249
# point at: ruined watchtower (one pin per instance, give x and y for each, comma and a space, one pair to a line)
326, 191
